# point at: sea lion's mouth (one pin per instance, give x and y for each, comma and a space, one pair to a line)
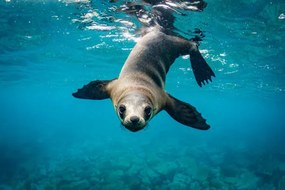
133, 128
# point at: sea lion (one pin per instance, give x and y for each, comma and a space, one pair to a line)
138, 93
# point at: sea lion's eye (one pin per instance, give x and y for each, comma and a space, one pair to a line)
122, 109
147, 112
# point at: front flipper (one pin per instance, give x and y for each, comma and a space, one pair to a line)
201, 69
185, 113
95, 90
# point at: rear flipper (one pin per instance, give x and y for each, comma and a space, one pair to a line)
201, 69
185, 113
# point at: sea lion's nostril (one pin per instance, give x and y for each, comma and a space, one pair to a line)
134, 120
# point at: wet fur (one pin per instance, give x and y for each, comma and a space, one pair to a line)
144, 74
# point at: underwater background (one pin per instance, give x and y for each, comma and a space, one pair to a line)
50, 140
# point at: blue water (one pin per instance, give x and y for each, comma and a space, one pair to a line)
50, 140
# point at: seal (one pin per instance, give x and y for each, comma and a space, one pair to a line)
138, 93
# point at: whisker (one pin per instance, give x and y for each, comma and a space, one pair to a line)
146, 127
123, 128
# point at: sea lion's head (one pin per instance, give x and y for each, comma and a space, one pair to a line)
134, 110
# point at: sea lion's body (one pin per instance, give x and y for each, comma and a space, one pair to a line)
138, 93
147, 66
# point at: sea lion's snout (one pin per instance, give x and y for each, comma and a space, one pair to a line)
134, 123
134, 120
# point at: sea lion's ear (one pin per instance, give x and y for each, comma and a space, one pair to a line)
185, 113
95, 90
